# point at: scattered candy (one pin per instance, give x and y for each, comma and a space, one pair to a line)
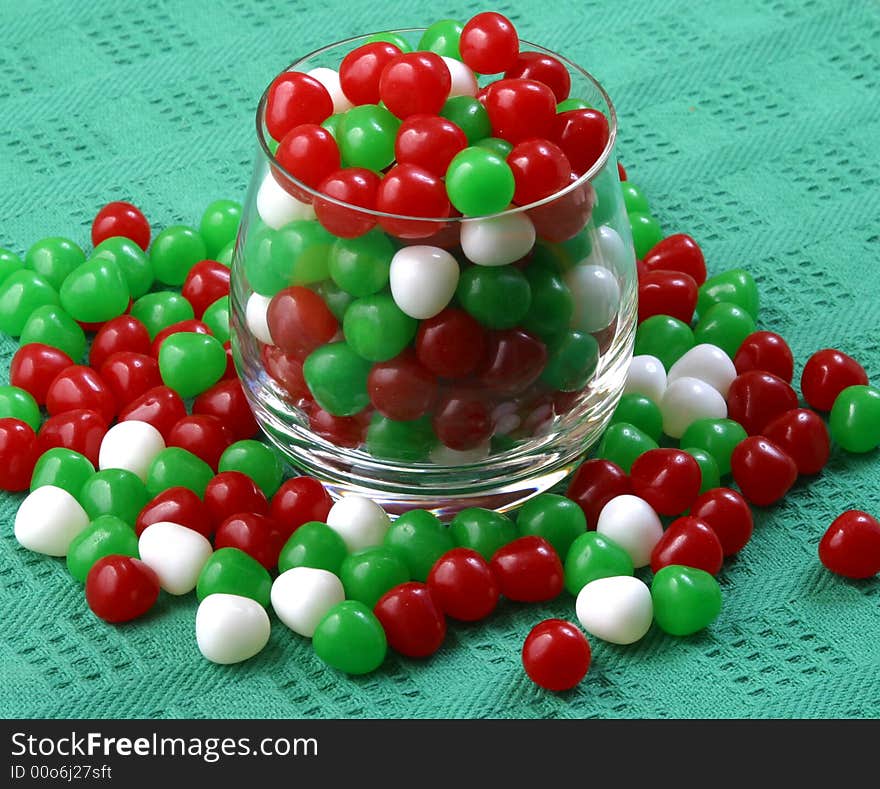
556, 655
176, 554
618, 609
855, 418
350, 638
302, 596
762, 470
632, 524
121, 588
130, 445
413, 622
686, 599
231, 628
463, 585
528, 570
851, 545
48, 520
359, 521
687, 400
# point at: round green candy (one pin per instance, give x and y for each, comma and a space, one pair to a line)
718, 437
257, 258
710, 475
232, 571
300, 252
498, 297
646, 233
190, 362
336, 299
63, 468
442, 37
21, 293
19, 404
366, 137
634, 199
216, 318
736, 286
174, 467
470, 116
420, 539
482, 530
395, 440
224, 256
572, 359
256, 460
572, 104
174, 252
855, 418
640, 411
725, 325
313, 544
219, 225
114, 491
555, 518
665, 337
609, 203
337, 378
390, 37
479, 182
593, 556
54, 258
496, 145
51, 325
366, 575
132, 260
360, 266
561, 257
333, 123
160, 310
686, 599
106, 535
95, 291
9, 262
622, 443
551, 304
350, 638
376, 328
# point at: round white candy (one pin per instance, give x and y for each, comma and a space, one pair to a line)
596, 297
685, 401
617, 609
444, 456
277, 207
130, 445
329, 78
359, 521
302, 595
231, 628
464, 81
610, 251
633, 525
646, 376
497, 240
423, 280
48, 520
708, 363
176, 553
256, 315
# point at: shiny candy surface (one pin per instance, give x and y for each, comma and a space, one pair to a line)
735, 286
121, 588
231, 628
479, 182
556, 519
350, 639
161, 407
763, 472
177, 505
298, 501
18, 453
851, 545
664, 337
204, 435
415, 83
190, 362
313, 544
855, 419
755, 399
596, 297
124, 333
295, 98
528, 570
174, 467
646, 376
176, 553
80, 387
366, 137
21, 292
174, 252
686, 599
368, 574
667, 293
62, 468
104, 536
120, 218
616, 609
35, 366
114, 491
423, 280
48, 520
482, 530
691, 542
728, 514
687, 400
463, 585
132, 261
725, 325
556, 655
707, 363
826, 374
255, 459
678, 252
359, 521
639, 411
412, 620
51, 325
81, 430
302, 596
802, 434
765, 351
419, 539
718, 437
632, 524
489, 43
594, 484
497, 241
231, 571
668, 479
18, 403
594, 556
497, 296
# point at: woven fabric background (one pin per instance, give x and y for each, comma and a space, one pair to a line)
754, 126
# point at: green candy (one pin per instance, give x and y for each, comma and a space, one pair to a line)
174, 467
665, 337
132, 260
95, 291
376, 328
736, 286
160, 310
622, 443
19, 404
572, 359
634, 199
256, 460
332, 124
232, 571
300, 252
366, 137
420, 539
114, 491
482, 530
551, 304
646, 233
496, 145
336, 299
63, 468
395, 440
350, 639
718, 437
51, 325
593, 556
572, 104
313, 544
479, 182
259, 272
224, 256
337, 378
9, 262
190, 362
53, 259
106, 535
711, 476
216, 318
366, 575
390, 38
855, 418
725, 325
499, 297
442, 37
555, 518
219, 225
360, 266
470, 116
609, 202
685, 599
174, 252
22, 292
641, 412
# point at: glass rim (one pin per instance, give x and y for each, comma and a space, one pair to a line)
594, 170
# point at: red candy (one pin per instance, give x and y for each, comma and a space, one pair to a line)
678, 252
79, 386
489, 43
755, 399
160, 406
257, 535
189, 325
556, 655
767, 352
300, 500
309, 153
513, 361
462, 421
540, 169
121, 588
342, 431
582, 135
178, 505
542, 68
230, 493
81, 430
34, 366
295, 98
728, 515
691, 542
851, 546
401, 388
299, 321
802, 434
286, 370
463, 585
528, 570
429, 142
128, 375
565, 216
668, 479
664, 292
206, 282
762, 470
413, 622
202, 434
227, 401
826, 374
415, 83
121, 219
355, 186
522, 108
361, 69
451, 344
411, 191
124, 333
18, 454
594, 484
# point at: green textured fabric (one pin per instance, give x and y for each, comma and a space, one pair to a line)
753, 126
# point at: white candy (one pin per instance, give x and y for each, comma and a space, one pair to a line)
359, 521
329, 78
617, 609
423, 280
646, 376
609, 250
277, 207
176, 553
130, 445
256, 313
596, 297
231, 628
709, 364
685, 401
302, 595
498, 240
633, 525
444, 456
464, 81
48, 520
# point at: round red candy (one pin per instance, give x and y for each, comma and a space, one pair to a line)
594, 484
361, 69
520, 109
582, 135
206, 282
463, 585
121, 219
286, 370
826, 374
227, 401
34, 366
160, 406
415, 83
513, 361
678, 252
79, 386
300, 500
489, 43
851, 546
565, 216
409, 190
123, 333
309, 153
230, 493
413, 622
295, 98
728, 514
664, 292
257, 535
401, 388
121, 588
763, 472
178, 505
556, 655
691, 542
299, 321
355, 186
756, 398
528, 570
341, 431
803, 435
202, 434
451, 344
429, 142
668, 479
18, 454
540, 169
81, 430
462, 421
767, 352
128, 375
544, 68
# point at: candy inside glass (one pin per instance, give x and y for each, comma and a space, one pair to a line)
489, 402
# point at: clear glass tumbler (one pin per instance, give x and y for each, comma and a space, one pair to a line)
491, 401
